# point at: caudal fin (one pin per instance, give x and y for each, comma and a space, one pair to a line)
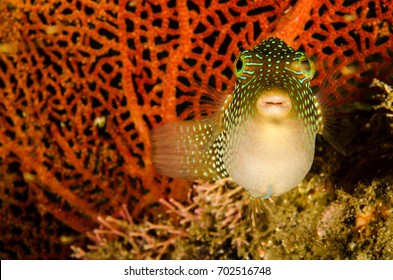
184, 149
181, 150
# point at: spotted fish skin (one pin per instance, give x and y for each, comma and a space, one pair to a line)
262, 136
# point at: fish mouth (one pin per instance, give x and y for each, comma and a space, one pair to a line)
276, 104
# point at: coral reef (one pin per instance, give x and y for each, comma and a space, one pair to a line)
311, 222
83, 82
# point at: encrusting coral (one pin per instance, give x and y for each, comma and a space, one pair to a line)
82, 83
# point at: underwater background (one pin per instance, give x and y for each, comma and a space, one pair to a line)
82, 83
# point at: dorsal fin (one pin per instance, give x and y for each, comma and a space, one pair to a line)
206, 101
209, 106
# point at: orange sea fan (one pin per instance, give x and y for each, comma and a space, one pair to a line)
83, 82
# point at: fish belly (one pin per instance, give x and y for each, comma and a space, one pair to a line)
263, 155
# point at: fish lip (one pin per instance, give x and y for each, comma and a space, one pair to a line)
274, 104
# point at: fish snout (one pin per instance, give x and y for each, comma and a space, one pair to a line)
274, 105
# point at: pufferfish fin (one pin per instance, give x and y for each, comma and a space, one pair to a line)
208, 106
337, 101
257, 213
184, 149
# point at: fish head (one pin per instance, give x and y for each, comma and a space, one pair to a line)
273, 80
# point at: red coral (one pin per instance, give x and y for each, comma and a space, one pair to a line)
83, 82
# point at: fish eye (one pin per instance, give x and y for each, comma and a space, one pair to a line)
239, 65
307, 67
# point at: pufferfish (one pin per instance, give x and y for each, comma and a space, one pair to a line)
262, 136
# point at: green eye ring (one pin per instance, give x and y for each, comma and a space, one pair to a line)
306, 67
239, 65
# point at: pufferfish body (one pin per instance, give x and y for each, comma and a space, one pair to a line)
262, 136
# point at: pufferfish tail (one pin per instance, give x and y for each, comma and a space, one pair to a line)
181, 150
189, 149
185, 149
